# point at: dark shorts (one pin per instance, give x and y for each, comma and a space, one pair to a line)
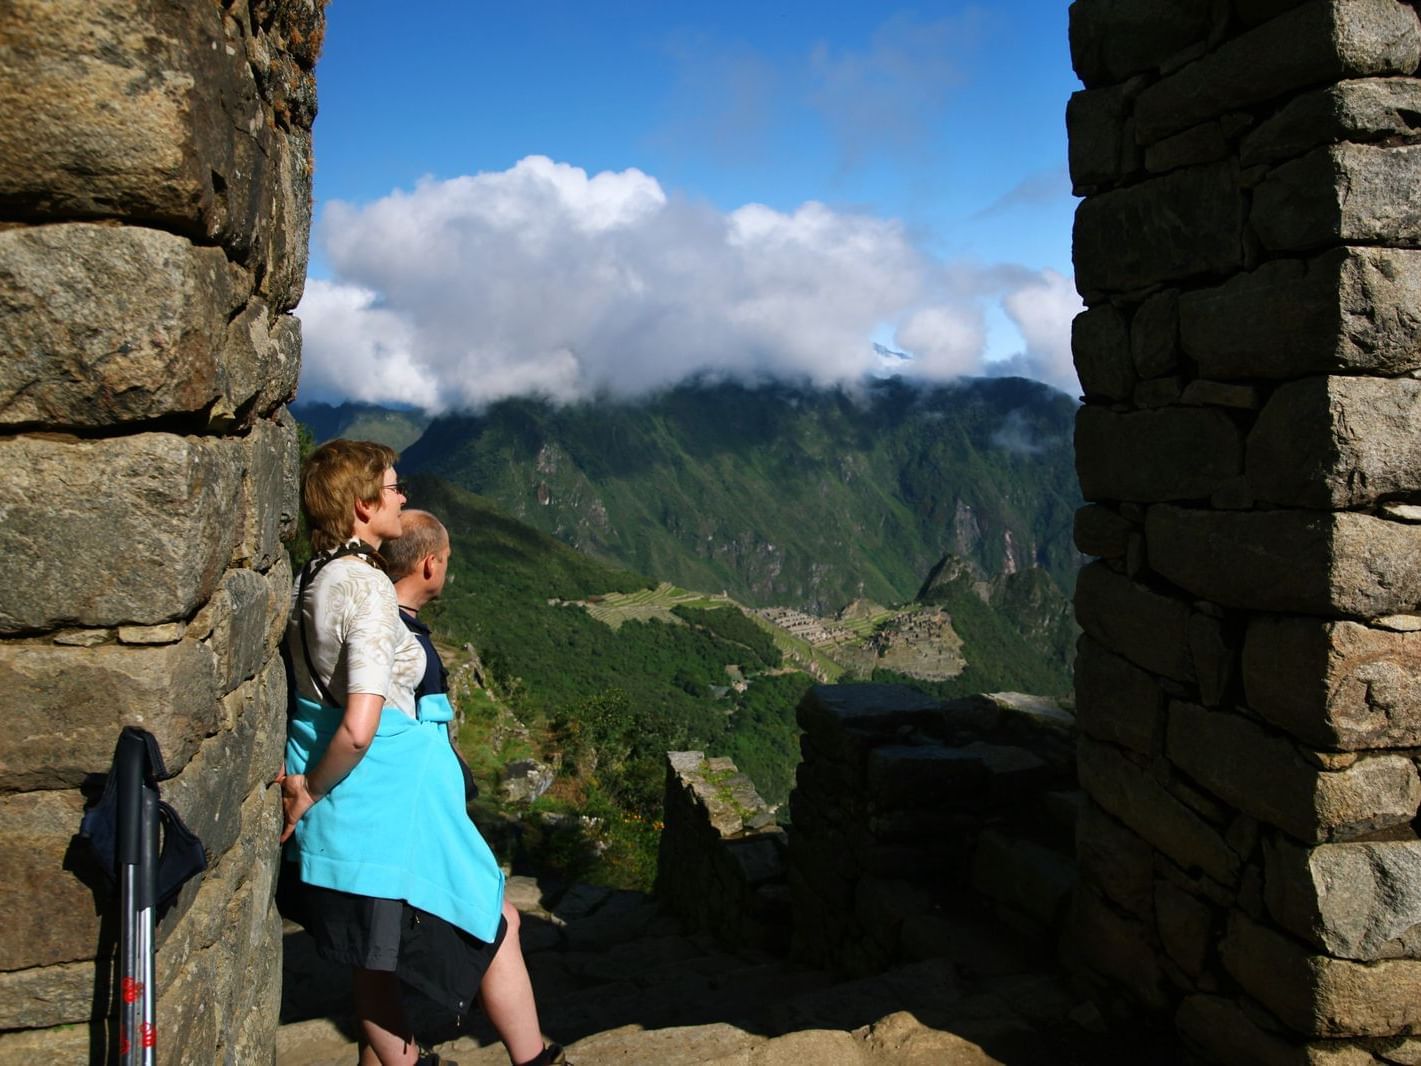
435, 958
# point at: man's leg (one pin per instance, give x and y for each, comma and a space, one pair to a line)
507, 994
385, 1036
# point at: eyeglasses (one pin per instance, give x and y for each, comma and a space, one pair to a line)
402, 487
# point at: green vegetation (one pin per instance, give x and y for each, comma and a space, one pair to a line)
607, 700
734, 628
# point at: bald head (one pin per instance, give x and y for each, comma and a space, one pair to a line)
423, 535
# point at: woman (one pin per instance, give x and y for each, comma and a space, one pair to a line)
394, 879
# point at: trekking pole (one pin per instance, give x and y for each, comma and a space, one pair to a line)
137, 854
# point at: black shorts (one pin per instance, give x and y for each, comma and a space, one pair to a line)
432, 956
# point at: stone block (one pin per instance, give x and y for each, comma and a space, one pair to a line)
270, 501
151, 114
1347, 310
1316, 995
1100, 151
282, 366
1023, 876
36, 839
1214, 655
1115, 945
1343, 563
904, 776
282, 222
1112, 39
828, 712
1100, 344
1133, 796
1322, 41
1340, 194
106, 325
64, 707
1336, 685
1367, 109
45, 996
1101, 531
1182, 225
1116, 861
1204, 143
267, 722
69, 1043
1227, 1033
111, 532
1150, 456
1186, 927
240, 612
1337, 442
1221, 394
209, 793
1154, 335
1356, 901
279, 581
1116, 701
1262, 774
1159, 392
203, 915
1146, 627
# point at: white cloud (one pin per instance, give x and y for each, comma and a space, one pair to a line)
1042, 311
542, 278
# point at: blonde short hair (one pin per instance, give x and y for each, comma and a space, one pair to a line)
423, 535
335, 475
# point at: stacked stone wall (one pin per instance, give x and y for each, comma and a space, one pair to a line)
155, 165
721, 860
920, 826
1249, 251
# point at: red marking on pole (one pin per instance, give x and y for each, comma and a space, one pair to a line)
122, 1041
148, 1034
132, 990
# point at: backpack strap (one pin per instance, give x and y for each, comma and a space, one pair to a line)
308, 574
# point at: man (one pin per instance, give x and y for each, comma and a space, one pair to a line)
418, 564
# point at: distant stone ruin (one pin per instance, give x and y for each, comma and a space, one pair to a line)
155, 169
1247, 687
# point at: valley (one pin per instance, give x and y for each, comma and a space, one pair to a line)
632, 579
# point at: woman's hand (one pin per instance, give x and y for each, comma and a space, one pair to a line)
296, 800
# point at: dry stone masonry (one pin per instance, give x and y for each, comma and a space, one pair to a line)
155, 165
916, 822
1249, 251
721, 864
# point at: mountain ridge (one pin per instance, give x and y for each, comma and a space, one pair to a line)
783, 495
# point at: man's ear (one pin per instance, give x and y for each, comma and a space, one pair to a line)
427, 566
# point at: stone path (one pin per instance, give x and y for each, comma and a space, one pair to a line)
618, 983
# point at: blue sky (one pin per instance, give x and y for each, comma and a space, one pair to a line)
567, 198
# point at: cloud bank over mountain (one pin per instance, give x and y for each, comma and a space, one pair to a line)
541, 278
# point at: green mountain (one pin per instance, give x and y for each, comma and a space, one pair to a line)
626, 690
361, 421
782, 495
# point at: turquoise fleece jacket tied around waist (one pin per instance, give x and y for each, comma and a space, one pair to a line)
396, 826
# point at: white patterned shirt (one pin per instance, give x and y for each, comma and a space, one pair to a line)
355, 636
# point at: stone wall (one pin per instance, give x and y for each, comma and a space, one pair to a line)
918, 823
721, 862
1250, 447
155, 164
